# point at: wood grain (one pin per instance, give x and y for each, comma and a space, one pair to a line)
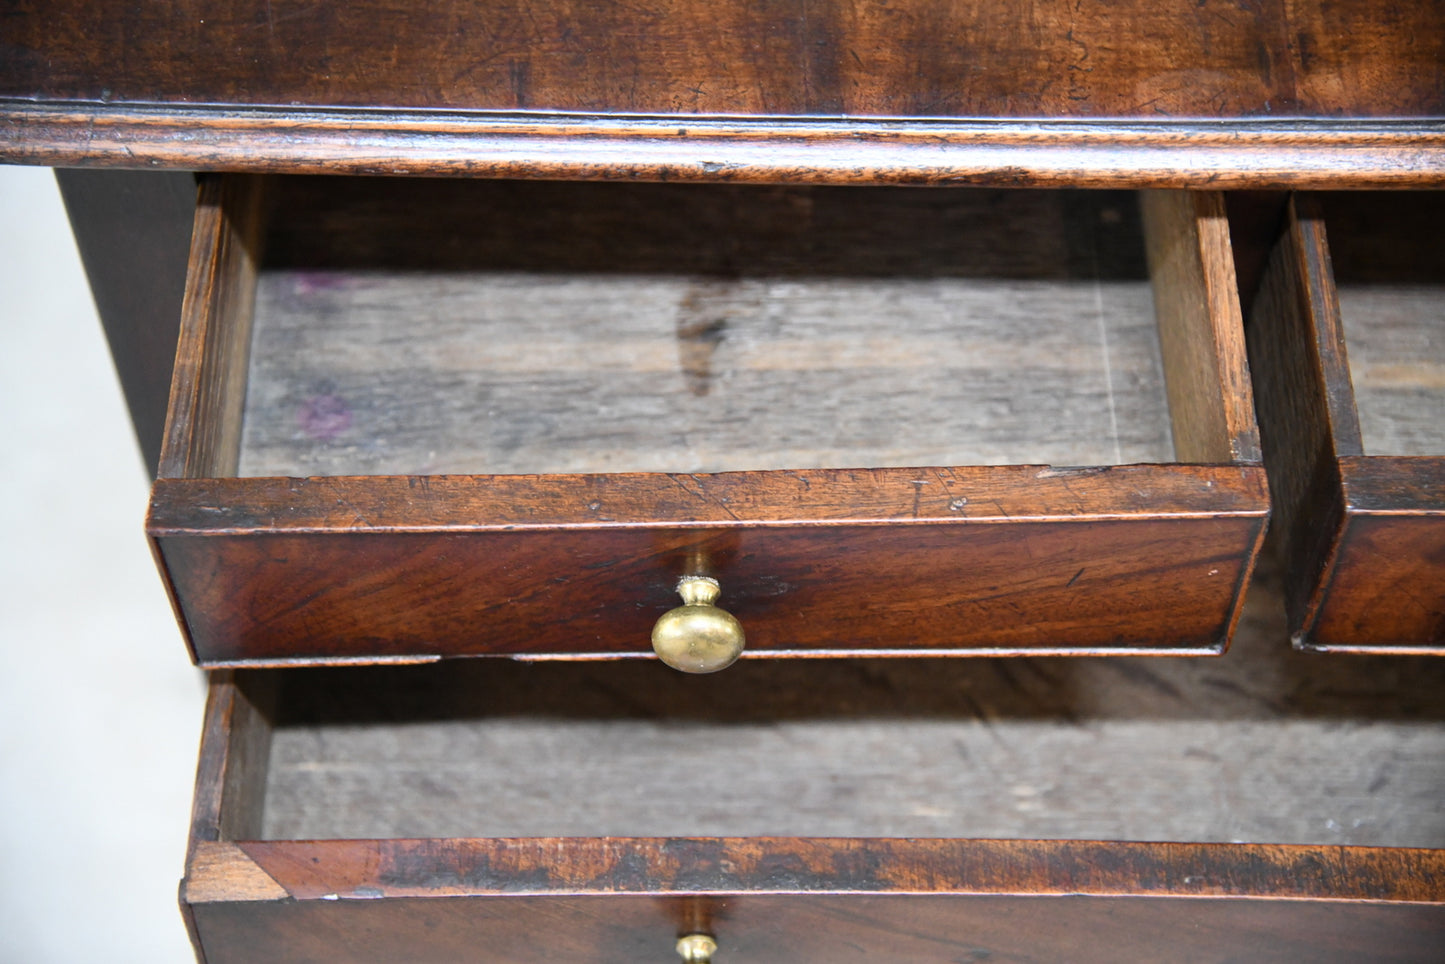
1137, 59
203, 424
503, 327
529, 88
133, 231
811, 562
235, 752
229, 799
1213, 155
1201, 332
1387, 592
822, 929
977, 495
1340, 50
312, 869
1305, 404
1307, 94
1362, 532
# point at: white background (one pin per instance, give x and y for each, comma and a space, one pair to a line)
100, 709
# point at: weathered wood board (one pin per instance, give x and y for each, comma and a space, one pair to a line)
701, 329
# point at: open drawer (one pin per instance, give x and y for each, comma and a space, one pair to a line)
1268, 807
417, 419
1347, 336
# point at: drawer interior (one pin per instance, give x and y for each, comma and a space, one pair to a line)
1389, 271
1268, 746
492, 327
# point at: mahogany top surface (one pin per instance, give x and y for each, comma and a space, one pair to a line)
381, 86
906, 58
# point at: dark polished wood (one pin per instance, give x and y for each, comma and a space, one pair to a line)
811, 562
1097, 154
851, 927
909, 59
310, 870
266, 85
1387, 588
133, 230
1363, 535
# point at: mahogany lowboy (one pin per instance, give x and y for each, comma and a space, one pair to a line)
1002, 559
1221, 96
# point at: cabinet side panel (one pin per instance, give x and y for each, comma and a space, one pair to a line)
133, 229
208, 389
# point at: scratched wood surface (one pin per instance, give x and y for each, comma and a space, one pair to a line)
1059, 93
1389, 267
1263, 745
537, 328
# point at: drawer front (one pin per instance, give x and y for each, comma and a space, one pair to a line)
1350, 376
995, 560
803, 928
1001, 559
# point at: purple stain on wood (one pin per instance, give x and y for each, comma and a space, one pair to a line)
324, 416
310, 282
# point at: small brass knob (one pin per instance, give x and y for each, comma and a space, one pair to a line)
696, 948
698, 637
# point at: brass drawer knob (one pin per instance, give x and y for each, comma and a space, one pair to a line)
698, 637
696, 948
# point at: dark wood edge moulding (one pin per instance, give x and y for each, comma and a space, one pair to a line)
1233, 154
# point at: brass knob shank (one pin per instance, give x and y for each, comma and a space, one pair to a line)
696, 948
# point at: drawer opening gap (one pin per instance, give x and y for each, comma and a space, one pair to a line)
1269, 746
1389, 272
